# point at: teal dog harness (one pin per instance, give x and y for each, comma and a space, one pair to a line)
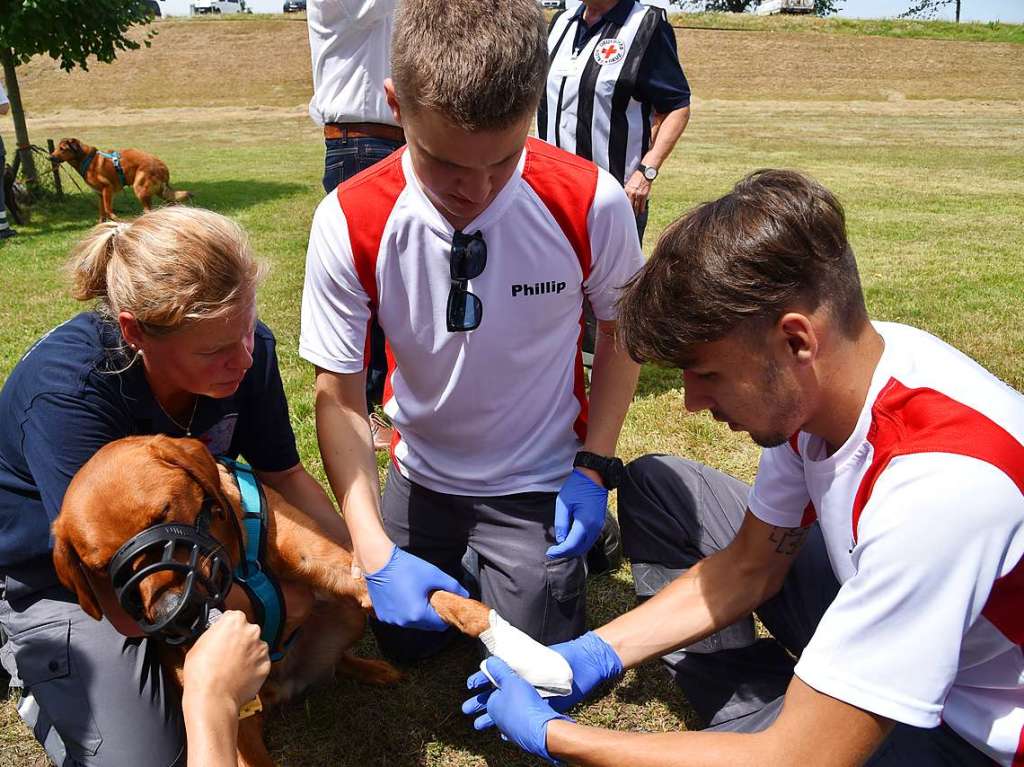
251, 574
114, 157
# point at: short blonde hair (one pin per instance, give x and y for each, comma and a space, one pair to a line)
169, 268
480, 63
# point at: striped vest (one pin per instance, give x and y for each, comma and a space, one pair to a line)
588, 107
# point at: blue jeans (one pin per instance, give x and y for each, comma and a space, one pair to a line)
344, 158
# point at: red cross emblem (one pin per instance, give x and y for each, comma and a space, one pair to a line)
609, 51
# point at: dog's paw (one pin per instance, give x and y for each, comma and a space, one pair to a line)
375, 672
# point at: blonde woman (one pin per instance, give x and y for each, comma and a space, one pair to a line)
173, 347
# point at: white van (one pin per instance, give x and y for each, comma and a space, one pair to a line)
200, 7
771, 7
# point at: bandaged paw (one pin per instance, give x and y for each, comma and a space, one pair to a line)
541, 666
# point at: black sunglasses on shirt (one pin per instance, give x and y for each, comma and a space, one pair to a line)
468, 259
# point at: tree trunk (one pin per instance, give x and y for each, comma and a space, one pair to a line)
18, 114
957, 11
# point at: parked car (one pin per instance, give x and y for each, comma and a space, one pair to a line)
200, 7
153, 6
291, 6
557, 5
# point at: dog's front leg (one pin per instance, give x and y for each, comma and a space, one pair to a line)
252, 751
107, 205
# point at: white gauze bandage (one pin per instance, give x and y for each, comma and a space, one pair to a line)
541, 666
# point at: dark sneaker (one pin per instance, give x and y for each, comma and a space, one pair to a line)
6, 234
606, 553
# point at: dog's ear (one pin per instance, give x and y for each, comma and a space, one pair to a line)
192, 457
74, 145
69, 569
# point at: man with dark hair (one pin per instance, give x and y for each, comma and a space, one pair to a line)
474, 248
882, 543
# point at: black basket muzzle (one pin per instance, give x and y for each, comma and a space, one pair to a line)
205, 567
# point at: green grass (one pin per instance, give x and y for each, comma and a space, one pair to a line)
933, 189
976, 31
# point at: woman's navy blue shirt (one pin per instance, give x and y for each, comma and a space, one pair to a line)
69, 396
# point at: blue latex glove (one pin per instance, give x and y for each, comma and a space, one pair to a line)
401, 589
579, 516
520, 713
592, 660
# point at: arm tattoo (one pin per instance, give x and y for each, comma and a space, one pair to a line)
788, 540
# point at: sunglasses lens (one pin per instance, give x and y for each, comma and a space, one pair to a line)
469, 256
465, 310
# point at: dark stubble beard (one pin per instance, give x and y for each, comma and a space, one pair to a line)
780, 403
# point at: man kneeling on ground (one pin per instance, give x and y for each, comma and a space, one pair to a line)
881, 543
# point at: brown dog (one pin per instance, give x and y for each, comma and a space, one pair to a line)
137, 482
108, 173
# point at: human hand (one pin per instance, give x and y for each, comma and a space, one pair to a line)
228, 660
591, 659
520, 713
580, 509
400, 591
638, 189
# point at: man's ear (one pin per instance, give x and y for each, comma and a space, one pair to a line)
392, 96
800, 337
69, 569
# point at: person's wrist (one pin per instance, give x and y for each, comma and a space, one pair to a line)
611, 660
590, 474
557, 731
375, 553
200, 703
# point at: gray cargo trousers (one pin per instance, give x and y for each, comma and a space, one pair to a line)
91, 696
675, 512
494, 546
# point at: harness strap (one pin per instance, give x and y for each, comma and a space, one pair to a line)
116, 158
259, 583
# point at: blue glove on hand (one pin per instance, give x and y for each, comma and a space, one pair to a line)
579, 516
400, 591
592, 660
520, 713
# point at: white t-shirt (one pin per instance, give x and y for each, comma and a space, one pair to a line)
500, 409
3, 95
350, 43
923, 517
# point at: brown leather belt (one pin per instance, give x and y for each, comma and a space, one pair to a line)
364, 130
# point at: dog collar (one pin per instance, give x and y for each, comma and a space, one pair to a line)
84, 167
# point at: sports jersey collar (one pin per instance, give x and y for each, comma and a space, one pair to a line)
490, 215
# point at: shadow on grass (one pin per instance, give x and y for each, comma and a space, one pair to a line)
79, 210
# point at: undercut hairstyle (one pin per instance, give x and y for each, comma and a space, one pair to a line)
480, 63
776, 243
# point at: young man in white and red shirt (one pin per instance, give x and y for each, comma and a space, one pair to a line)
882, 542
474, 249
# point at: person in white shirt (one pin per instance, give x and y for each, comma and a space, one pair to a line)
6, 231
350, 44
882, 543
474, 249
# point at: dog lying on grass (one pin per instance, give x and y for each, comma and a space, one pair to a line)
109, 172
130, 506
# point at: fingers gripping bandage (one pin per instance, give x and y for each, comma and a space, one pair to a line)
541, 666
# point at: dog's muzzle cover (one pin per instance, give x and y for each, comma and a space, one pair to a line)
190, 551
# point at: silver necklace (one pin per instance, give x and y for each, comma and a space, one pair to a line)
185, 428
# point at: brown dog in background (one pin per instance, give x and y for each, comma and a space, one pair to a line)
147, 175
137, 482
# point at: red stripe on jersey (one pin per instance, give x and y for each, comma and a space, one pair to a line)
794, 442
367, 200
906, 421
566, 184
1018, 758
810, 513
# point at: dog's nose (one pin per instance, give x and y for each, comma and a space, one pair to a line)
166, 604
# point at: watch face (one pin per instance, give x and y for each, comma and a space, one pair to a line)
650, 173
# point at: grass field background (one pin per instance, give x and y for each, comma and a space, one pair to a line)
918, 127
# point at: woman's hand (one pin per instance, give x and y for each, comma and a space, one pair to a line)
228, 661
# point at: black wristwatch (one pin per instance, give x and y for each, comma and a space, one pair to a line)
610, 469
